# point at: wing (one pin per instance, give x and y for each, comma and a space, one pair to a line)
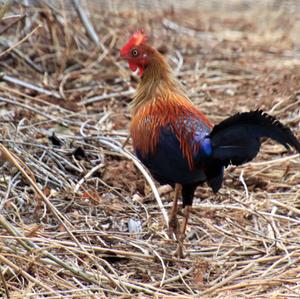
179, 143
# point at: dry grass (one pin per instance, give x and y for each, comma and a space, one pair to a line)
78, 219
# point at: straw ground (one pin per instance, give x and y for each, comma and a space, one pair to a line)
80, 216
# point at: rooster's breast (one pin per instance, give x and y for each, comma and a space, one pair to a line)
167, 162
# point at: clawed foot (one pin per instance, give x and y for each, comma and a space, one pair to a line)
174, 227
179, 232
179, 250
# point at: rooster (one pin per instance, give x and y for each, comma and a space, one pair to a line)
177, 143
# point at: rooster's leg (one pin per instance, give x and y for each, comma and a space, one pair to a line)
186, 213
180, 239
173, 222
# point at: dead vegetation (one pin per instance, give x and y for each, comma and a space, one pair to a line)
78, 218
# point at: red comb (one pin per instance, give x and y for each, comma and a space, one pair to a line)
138, 38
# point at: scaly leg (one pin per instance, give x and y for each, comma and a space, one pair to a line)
180, 239
173, 222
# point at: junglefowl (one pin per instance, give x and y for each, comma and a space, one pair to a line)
177, 143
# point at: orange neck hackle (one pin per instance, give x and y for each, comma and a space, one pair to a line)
160, 100
157, 81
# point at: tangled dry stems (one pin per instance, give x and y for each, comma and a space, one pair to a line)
78, 219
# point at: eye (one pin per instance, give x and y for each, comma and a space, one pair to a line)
134, 52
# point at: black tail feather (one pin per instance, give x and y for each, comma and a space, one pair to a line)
236, 140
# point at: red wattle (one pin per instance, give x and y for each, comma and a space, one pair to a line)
133, 66
141, 71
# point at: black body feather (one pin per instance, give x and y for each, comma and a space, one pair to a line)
236, 140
